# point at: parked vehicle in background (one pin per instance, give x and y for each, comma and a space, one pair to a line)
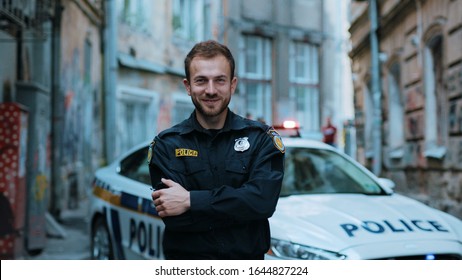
330, 207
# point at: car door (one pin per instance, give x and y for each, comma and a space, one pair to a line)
137, 227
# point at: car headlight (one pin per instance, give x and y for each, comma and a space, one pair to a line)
288, 250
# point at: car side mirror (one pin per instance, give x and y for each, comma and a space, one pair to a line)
387, 183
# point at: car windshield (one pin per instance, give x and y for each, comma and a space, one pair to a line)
317, 171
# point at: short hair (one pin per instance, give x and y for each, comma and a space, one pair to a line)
208, 49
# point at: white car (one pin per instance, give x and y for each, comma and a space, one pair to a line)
330, 207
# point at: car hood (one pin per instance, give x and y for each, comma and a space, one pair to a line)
337, 222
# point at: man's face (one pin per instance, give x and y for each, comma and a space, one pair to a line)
210, 86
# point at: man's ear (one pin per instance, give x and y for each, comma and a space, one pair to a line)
187, 85
233, 85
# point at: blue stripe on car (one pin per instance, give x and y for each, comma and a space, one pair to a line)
115, 221
129, 201
148, 207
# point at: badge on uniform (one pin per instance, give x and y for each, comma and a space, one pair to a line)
277, 140
151, 146
241, 144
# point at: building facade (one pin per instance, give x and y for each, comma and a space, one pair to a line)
420, 54
92, 78
288, 57
78, 102
51, 53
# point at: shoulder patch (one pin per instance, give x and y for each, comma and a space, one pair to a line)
277, 140
151, 146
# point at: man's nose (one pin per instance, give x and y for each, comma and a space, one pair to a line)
211, 88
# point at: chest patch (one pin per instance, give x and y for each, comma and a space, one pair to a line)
182, 152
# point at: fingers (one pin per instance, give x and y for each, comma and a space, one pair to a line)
170, 201
160, 203
160, 208
157, 201
169, 183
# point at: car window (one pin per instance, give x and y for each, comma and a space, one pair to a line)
135, 166
315, 171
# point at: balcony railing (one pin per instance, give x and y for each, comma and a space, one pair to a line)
25, 14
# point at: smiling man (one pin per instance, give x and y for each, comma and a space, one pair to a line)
216, 175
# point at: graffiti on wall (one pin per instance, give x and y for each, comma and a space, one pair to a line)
78, 119
71, 83
78, 108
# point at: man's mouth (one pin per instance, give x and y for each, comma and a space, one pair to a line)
210, 101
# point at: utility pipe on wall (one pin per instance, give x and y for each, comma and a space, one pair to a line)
376, 90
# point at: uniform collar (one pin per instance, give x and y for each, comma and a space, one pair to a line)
232, 122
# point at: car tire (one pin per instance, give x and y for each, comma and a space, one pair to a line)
101, 246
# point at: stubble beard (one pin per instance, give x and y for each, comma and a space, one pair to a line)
207, 113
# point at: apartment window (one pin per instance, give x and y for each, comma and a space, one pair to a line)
396, 113
138, 115
134, 112
188, 19
435, 126
304, 84
136, 13
182, 109
255, 75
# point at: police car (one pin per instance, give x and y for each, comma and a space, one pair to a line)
330, 207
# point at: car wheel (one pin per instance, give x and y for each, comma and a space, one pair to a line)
101, 248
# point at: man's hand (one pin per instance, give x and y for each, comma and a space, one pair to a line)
171, 201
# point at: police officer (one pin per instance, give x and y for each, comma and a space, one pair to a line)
217, 176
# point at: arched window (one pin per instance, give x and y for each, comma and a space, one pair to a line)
435, 125
396, 112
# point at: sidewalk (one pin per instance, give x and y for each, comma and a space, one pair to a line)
68, 239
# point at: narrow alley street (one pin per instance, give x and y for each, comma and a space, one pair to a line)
67, 239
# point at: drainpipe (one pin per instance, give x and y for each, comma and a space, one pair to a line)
56, 114
376, 89
110, 80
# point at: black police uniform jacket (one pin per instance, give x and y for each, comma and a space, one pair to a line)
234, 176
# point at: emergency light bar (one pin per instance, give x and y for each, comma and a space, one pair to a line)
289, 128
